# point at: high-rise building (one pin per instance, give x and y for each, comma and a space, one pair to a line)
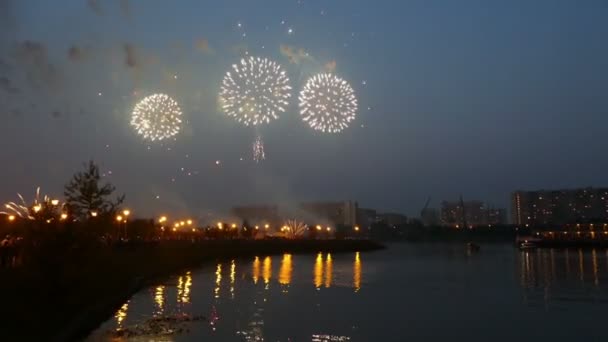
460, 214
559, 207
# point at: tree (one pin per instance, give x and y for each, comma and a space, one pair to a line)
86, 197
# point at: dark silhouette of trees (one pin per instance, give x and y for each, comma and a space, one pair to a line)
86, 197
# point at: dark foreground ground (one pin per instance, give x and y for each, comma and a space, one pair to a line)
65, 298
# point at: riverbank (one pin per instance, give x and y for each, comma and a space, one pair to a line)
64, 302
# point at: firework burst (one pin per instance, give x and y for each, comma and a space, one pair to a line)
157, 117
255, 91
258, 150
328, 103
25, 211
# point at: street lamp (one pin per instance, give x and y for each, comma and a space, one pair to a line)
118, 218
55, 202
189, 222
234, 225
11, 218
162, 219
37, 208
319, 227
93, 213
266, 226
64, 216
356, 228
329, 229
126, 212
220, 225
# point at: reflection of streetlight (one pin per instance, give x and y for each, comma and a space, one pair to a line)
11, 218
94, 213
55, 202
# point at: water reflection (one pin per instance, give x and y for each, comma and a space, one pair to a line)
357, 273
183, 288
256, 270
121, 315
285, 270
159, 299
328, 270
232, 278
318, 271
547, 275
267, 270
218, 280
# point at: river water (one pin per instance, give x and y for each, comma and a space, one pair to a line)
408, 292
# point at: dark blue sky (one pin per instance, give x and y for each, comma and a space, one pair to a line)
455, 97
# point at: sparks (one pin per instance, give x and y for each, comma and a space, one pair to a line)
258, 150
328, 103
256, 91
157, 117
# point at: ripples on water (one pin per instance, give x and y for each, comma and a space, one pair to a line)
416, 292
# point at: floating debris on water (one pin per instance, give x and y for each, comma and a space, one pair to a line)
161, 325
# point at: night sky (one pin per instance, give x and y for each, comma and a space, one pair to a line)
478, 98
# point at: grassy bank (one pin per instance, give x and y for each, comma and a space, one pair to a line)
64, 298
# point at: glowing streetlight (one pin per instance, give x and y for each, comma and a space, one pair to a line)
193, 230
234, 225
256, 227
266, 226
11, 218
319, 227
189, 222
182, 223
118, 218
220, 225
126, 212
63, 216
162, 219
174, 229
356, 228
94, 213
55, 202
37, 208
329, 229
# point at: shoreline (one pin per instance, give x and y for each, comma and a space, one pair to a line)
80, 327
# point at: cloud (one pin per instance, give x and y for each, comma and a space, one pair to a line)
6, 85
330, 66
95, 6
295, 55
33, 58
202, 45
77, 53
125, 8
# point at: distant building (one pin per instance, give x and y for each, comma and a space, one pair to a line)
470, 214
264, 214
392, 219
336, 213
559, 207
366, 217
430, 217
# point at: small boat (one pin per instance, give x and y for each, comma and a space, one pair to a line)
527, 245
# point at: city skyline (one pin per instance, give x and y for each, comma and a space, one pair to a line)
444, 109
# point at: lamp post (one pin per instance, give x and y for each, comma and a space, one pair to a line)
126, 214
